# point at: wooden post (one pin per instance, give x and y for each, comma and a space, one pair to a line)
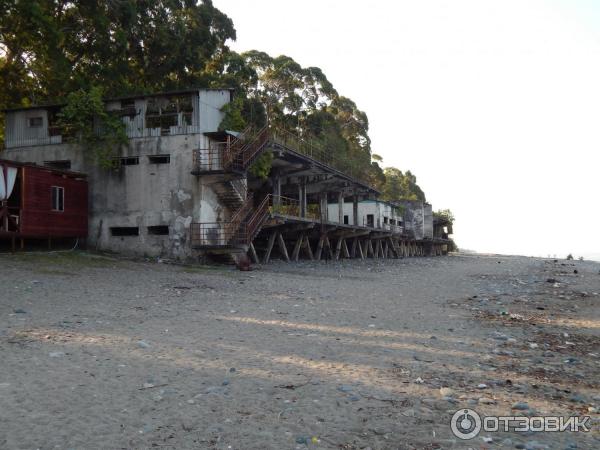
296, 251
345, 249
370, 249
270, 246
355, 209
360, 250
329, 249
308, 249
253, 253
353, 250
282, 247
340, 207
338, 248
320, 248
385, 250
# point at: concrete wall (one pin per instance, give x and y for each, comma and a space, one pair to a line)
427, 221
378, 209
145, 194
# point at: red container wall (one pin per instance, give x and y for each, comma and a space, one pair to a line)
37, 217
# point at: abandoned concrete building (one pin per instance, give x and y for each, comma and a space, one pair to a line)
181, 188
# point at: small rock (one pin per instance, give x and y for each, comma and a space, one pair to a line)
345, 388
486, 439
486, 401
20, 311
481, 386
419, 380
232, 370
533, 345
56, 354
592, 410
225, 382
446, 392
143, 344
520, 406
535, 445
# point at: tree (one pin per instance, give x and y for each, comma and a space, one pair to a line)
84, 120
52, 47
401, 186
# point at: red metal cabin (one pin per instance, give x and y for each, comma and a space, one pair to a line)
40, 202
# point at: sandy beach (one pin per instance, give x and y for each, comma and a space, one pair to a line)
99, 352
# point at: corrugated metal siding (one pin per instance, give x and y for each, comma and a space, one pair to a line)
18, 133
37, 217
209, 106
206, 116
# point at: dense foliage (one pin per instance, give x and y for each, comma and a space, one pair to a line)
51, 48
84, 119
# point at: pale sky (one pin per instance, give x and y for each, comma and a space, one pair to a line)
494, 105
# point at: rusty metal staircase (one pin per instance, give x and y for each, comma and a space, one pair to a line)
229, 163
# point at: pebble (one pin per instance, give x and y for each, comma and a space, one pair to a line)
520, 406
592, 410
143, 344
225, 382
481, 386
20, 311
535, 445
446, 392
576, 398
486, 401
533, 345
56, 354
345, 388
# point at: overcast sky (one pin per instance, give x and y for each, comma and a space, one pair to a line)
494, 105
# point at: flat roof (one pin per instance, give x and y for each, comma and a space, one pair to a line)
125, 97
69, 173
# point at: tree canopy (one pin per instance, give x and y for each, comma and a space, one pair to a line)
52, 48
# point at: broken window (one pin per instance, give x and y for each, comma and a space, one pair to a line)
128, 108
167, 112
370, 220
58, 198
159, 159
35, 122
62, 164
385, 220
124, 231
159, 230
129, 161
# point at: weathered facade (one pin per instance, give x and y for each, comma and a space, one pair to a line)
41, 203
147, 204
182, 188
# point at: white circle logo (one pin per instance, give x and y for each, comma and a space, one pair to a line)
465, 424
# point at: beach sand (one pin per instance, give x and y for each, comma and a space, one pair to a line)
100, 352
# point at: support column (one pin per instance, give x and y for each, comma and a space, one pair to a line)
276, 180
302, 196
355, 210
323, 206
340, 207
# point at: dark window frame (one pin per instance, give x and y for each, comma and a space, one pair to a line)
124, 231
35, 118
159, 159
